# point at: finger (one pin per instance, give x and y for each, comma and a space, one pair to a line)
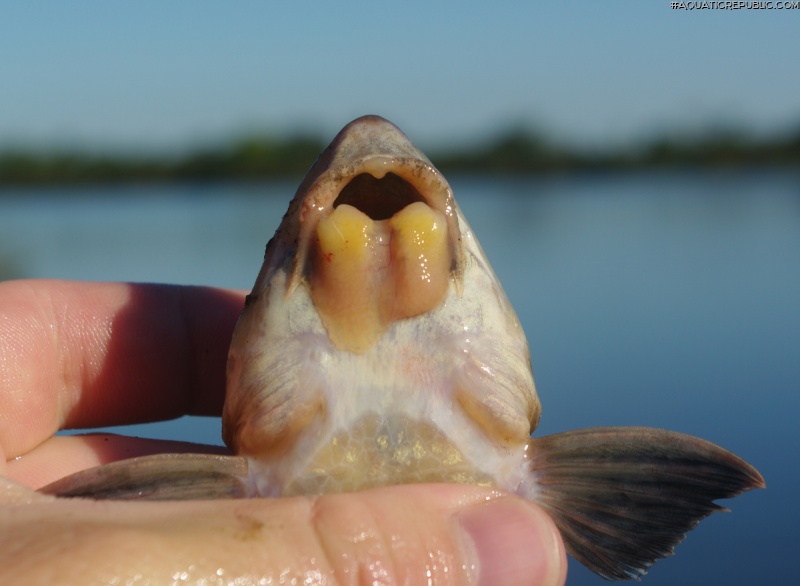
99, 354
61, 456
397, 535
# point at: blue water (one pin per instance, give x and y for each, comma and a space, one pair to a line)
669, 300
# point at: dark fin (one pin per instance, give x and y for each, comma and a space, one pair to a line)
158, 477
623, 497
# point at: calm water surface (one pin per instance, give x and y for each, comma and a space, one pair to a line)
668, 300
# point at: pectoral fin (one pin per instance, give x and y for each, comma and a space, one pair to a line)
623, 497
158, 477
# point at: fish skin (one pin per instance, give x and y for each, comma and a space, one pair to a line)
440, 391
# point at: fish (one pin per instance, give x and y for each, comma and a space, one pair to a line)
377, 347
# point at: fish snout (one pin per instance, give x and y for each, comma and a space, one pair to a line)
379, 232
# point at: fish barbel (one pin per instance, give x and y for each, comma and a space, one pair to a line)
377, 347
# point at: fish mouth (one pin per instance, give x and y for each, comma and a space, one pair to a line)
372, 166
395, 193
379, 238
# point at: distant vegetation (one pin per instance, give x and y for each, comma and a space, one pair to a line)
513, 152
249, 159
522, 153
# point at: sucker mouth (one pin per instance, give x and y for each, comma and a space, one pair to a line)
379, 254
395, 194
373, 234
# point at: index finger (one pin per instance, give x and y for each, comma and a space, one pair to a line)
98, 354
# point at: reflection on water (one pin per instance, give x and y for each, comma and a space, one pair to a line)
664, 300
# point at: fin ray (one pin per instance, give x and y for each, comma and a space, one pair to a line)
158, 477
624, 497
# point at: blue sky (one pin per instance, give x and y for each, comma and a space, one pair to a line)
160, 75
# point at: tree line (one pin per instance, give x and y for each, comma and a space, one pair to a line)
517, 151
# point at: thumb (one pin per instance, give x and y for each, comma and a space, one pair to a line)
424, 534
412, 534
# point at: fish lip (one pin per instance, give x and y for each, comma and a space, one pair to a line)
433, 189
373, 146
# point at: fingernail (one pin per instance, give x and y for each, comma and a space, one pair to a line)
513, 543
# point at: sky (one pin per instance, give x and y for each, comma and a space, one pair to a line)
164, 75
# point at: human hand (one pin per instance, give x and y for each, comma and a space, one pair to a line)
91, 355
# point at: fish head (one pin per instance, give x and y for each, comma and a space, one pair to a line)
376, 324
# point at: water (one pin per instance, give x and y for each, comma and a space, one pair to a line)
670, 300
